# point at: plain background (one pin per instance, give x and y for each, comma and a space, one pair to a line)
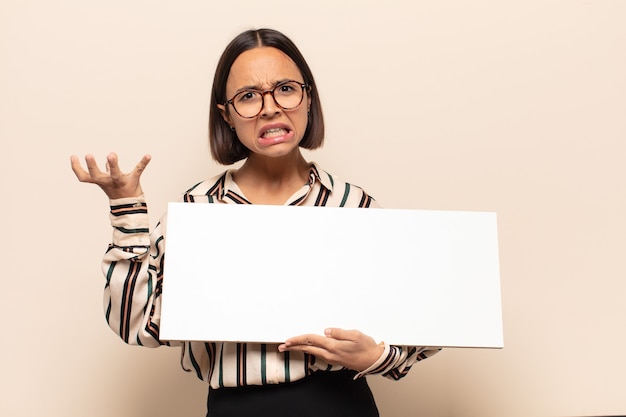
513, 107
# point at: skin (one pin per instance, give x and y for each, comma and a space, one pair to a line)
274, 171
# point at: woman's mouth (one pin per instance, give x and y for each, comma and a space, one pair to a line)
275, 132
274, 135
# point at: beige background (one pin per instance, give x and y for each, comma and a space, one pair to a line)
510, 107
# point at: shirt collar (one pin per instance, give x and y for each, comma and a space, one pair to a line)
226, 182
318, 174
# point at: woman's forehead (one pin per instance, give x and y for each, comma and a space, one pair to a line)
261, 67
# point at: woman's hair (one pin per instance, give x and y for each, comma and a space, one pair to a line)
225, 146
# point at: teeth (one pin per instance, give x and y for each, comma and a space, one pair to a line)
274, 132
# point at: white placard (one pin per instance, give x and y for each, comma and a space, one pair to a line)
260, 273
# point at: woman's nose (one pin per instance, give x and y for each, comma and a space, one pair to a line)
269, 104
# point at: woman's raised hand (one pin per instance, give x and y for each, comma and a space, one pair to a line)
113, 182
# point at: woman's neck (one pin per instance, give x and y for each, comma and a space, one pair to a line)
266, 180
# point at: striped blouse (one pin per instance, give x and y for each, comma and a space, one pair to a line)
133, 266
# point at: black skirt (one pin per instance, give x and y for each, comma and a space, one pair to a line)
322, 394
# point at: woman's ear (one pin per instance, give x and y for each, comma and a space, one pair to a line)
225, 114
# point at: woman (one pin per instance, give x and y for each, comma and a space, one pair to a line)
264, 108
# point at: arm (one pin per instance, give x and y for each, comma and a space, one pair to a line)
133, 267
357, 351
396, 361
133, 263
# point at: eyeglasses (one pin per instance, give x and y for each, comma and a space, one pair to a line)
249, 103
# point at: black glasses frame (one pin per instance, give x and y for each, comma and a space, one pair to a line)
271, 92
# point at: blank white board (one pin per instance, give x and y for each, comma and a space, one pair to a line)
260, 273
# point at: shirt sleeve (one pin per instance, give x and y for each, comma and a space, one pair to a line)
133, 267
396, 361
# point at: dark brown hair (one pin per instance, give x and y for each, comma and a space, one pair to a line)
225, 146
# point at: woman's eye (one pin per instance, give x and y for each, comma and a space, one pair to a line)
286, 89
246, 95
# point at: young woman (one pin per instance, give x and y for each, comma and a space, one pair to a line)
264, 108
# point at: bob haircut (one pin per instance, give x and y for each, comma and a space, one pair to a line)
224, 143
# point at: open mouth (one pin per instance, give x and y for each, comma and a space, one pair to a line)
274, 132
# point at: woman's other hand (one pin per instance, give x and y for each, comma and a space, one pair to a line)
349, 348
113, 181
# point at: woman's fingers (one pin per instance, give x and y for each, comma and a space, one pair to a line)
92, 168
342, 334
349, 348
141, 165
79, 171
113, 167
114, 182
306, 341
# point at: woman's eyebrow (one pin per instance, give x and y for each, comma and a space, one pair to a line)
249, 87
259, 87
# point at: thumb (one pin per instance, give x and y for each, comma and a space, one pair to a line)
339, 334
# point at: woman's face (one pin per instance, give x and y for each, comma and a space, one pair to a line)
274, 132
